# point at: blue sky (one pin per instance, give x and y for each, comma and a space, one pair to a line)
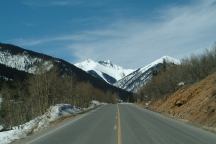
131, 33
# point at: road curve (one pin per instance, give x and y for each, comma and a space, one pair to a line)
140, 126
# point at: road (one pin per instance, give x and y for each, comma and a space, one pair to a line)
125, 124
140, 126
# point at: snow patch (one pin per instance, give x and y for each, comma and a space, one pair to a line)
181, 83
54, 113
1, 127
95, 103
23, 62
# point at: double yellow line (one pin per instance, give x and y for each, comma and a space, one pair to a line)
118, 123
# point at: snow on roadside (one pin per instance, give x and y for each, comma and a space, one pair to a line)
1, 127
54, 113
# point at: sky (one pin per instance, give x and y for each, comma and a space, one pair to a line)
130, 33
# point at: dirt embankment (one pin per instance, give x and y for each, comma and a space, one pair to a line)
195, 103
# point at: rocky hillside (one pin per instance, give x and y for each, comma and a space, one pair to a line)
195, 103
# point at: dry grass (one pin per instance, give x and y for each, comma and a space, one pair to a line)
198, 103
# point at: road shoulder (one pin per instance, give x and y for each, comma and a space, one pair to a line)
209, 129
58, 124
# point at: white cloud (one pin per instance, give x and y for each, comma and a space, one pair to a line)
179, 32
40, 41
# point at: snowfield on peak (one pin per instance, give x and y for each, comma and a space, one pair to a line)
141, 76
105, 70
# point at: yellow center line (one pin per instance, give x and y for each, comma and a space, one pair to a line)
119, 135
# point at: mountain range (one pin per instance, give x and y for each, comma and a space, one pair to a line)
127, 79
17, 63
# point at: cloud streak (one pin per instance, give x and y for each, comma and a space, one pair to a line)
82, 37
177, 31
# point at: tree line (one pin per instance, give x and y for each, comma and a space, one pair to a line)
23, 101
171, 77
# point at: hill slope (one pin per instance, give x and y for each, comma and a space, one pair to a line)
27, 62
196, 103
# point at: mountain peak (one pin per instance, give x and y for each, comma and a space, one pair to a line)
107, 63
104, 69
170, 59
161, 60
141, 76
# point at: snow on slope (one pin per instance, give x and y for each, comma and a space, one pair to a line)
23, 62
54, 113
141, 76
104, 69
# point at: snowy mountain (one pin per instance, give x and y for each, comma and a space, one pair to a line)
104, 70
22, 60
141, 76
17, 64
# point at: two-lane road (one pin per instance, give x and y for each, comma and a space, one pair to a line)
125, 124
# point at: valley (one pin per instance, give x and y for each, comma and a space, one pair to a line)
34, 85
108, 72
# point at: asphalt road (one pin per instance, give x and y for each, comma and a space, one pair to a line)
94, 128
125, 124
140, 126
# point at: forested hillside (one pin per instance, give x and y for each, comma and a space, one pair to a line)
191, 70
22, 101
32, 82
